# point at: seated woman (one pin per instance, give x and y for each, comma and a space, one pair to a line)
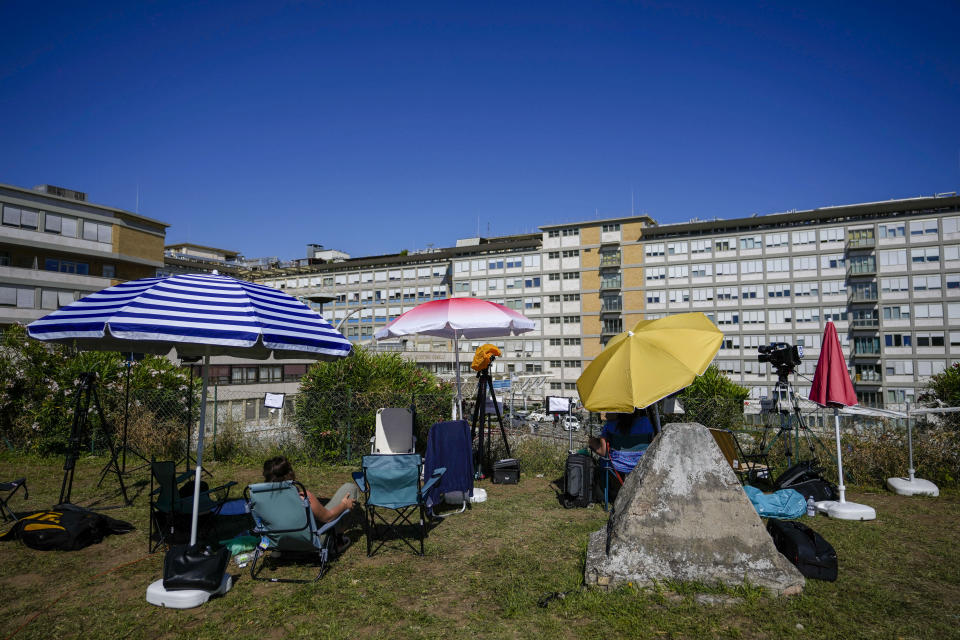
623, 431
279, 469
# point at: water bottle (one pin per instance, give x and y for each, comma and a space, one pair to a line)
811, 507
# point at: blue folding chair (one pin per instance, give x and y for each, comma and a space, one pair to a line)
617, 464
449, 446
283, 520
391, 483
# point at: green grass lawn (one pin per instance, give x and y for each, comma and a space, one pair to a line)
482, 576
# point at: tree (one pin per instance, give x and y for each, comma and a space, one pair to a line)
714, 400
336, 407
37, 392
944, 388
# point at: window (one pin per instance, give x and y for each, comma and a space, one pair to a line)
615, 226
779, 316
837, 314
495, 264
929, 338
571, 275
893, 285
920, 255
700, 246
835, 261
730, 342
928, 310
66, 266
571, 253
554, 319
804, 237
553, 276
703, 295
514, 283
753, 317
897, 339
833, 234
656, 273
923, 229
777, 240
514, 263
532, 282
726, 268
571, 342
808, 315
750, 242
927, 368
574, 231
805, 263
571, 297
725, 244
4, 259
899, 367
679, 295
553, 233
653, 250
109, 271
751, 292
701, 270
531, 262
896, 312
654, 297
677, 248
892, 230
458, 287
811, 289
271, 373
832, 287
778, 265
571, 363
17, 217
778, 291
892, 257
553, 298
926, 283
531, 303
751, 266
571, 319
243, 375
679, 271
727, 293
728, 318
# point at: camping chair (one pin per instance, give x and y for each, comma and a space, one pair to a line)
169, 510
392, 483
283, 520
616, 465
748, 468
449, 446
8, 489
394, 431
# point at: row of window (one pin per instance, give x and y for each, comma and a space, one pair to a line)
28, 297
919, 229
67, 226
531, 261
250, 374
558, 364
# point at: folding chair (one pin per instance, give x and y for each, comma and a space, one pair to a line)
749, 468
394, 431
392, 483
169, 511
286, 525
617, 464
449, 446
8, 489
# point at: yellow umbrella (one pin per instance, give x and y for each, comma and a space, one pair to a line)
657, 358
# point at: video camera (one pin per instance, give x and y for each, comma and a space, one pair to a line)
782, 356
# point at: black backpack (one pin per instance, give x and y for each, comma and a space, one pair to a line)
578, 481
805, 548
65, 528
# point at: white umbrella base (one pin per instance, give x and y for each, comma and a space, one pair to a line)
915, 487
846, 510
185, 598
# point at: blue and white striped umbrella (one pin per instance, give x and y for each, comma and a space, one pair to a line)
203, 314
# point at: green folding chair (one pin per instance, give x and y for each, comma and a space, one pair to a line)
287, 528
169, 511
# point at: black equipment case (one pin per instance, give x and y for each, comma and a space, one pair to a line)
805, 548
578, 481
506, 471
806, 477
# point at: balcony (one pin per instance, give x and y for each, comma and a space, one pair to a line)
610, 259
865, 323
863, 294
611, 305
866, 349
868, 378
862, 268
611, 328
861, 242
608, 284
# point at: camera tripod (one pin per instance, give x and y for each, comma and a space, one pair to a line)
791, 421
482, 456
86, 392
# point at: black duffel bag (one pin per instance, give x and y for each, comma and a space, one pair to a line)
65, 527
805, 548
194, 567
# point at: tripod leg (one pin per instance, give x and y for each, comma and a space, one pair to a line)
496, 408
113, 465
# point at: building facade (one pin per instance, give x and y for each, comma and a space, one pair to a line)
56, 247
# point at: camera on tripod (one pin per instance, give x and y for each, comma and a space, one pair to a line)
782, 356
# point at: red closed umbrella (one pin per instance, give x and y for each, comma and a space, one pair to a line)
832, 388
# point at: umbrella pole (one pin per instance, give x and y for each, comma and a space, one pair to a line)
910, 469
456, 358
836, 427
196, 480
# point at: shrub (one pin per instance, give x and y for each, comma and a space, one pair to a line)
714, 400
336, 407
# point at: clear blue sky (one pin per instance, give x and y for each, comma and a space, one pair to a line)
375, 127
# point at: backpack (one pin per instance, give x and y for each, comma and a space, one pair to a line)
65, 528
578, 481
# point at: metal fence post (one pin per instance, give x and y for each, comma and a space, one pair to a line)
349, 423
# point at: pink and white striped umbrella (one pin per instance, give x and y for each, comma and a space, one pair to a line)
456, 318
